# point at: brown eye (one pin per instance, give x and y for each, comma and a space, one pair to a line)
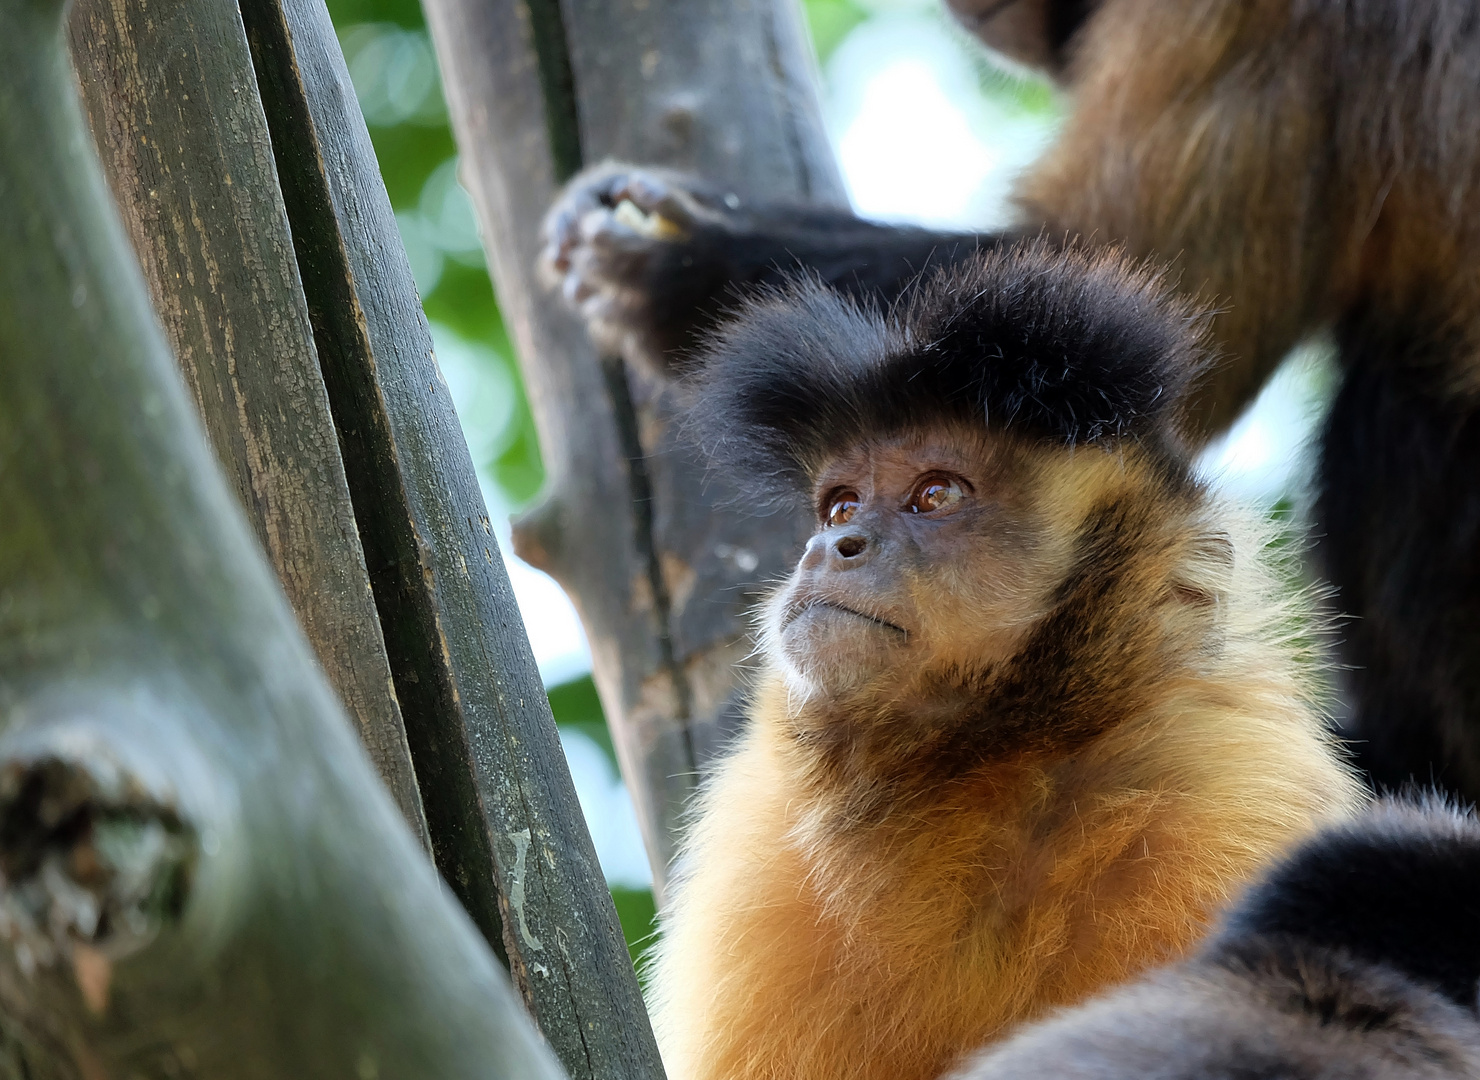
841, 506
935, 493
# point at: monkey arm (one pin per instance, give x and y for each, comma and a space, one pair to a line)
652, 258
1216, 158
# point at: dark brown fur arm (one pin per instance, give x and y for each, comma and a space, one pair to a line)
657, 280
1355, 956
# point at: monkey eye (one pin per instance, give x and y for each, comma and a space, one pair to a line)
841, 506
936, 491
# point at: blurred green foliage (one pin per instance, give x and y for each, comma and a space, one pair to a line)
639, 918
830, 21
395, 75
577, 707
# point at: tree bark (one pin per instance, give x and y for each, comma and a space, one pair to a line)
174, 108
246, 171
662, 573
201, 875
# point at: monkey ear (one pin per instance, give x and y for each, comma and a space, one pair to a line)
1205, 574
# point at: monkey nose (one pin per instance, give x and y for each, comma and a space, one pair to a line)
843, 549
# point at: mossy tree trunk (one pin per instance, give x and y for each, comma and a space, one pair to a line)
202, 875
662, 572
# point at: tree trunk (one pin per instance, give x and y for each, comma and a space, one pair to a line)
201, 875
179, 124
663, 576
246, 174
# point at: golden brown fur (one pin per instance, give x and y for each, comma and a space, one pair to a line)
869, 894
1297, 160
1355, 957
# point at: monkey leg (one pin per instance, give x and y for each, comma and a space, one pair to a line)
1399, 509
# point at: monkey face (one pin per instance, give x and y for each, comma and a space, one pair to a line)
931, 557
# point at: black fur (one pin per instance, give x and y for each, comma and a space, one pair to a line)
1056, 345
688, 287
1399, 508
1065, 17
1400, 887
1356, 958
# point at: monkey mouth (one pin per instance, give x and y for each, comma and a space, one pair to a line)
799, 608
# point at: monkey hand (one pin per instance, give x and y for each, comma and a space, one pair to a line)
639, 253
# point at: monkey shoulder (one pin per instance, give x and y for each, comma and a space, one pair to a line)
1354, 957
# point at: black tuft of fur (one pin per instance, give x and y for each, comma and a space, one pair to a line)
1398, 887
1061, 345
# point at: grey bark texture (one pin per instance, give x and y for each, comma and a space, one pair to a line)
246, 174
173, 104
503, 812
201, 874
662, 572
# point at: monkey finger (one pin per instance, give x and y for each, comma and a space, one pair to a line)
558, 236
588, 192
627, 231
608, 266
603, 316
599, 310
568, 236
657, 197
555, 253
549, 272
574, 289
587, 276
603, 226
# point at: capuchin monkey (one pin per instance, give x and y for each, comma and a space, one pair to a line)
1306, 167
1356, 958
1033, 703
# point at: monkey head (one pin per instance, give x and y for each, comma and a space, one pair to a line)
1036, 33
963, 457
